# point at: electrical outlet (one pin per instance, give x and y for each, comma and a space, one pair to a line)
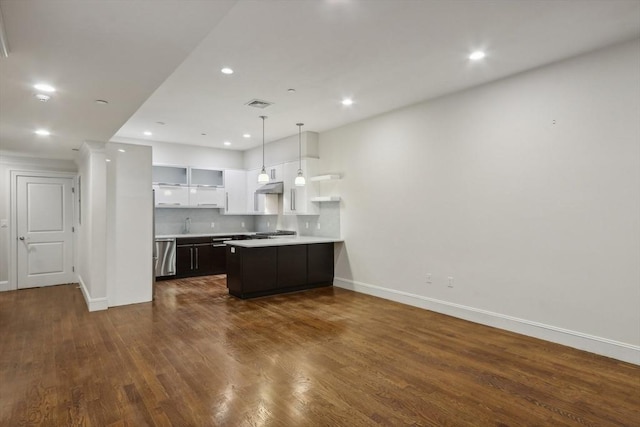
213, 225
429, 278
242, 224
450, 278
268, 224
318, 226
307, 224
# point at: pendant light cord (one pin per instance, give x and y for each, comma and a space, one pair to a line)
263, 117
300, 145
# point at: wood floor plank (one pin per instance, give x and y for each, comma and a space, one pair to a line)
196, 356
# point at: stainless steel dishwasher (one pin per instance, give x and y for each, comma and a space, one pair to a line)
166, 261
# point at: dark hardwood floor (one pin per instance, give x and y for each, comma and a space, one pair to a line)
326, 357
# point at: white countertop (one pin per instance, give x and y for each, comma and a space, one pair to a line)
232, 233
282, 241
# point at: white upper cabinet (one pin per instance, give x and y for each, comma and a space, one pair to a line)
275, 173
255, 202
206, 178
235, 182
170, 175
171, 196
297, 200
206, 197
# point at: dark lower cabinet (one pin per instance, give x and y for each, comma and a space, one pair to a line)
320, 263
184, 260
199, 256
218, 259
194, 260
259, 271
292, 265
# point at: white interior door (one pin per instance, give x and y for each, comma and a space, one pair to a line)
45, 236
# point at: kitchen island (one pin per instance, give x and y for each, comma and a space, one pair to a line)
271, 266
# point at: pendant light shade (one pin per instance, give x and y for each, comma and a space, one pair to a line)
263, 178
300, 181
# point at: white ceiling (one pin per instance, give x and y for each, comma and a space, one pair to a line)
383, 53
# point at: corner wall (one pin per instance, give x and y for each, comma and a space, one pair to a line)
129, 224
526, 191
92, 229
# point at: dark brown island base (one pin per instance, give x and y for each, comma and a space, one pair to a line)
265, 267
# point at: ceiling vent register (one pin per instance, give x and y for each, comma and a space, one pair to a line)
258, 103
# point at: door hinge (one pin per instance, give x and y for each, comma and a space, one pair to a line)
73, 229
73, 189
73, 268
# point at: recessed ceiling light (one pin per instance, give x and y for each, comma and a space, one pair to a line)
477, 55
147, 133
161, 123
42, 132
101, 102
246, 135
122, 150
44, 87
203, 134
227, 143
42, 97
347, 101
291, 90
226, 71
107, 160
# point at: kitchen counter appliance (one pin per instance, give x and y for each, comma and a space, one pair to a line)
165, 263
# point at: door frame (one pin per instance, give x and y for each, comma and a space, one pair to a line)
13, 209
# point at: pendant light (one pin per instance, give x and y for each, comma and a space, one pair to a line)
263, 178
300, 181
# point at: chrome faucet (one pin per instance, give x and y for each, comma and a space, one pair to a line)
187, 225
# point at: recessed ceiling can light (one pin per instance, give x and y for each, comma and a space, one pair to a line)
203, 134
44, 87
42, 97
107, 160
226, 70
477, 55
122, 150
227, 143
291, 90
147, 133
161, 123
101, 102
246, 135
42, 132
347, 101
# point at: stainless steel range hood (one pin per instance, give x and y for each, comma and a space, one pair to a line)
271, 188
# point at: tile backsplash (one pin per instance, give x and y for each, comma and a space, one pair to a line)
172, 221
305, 225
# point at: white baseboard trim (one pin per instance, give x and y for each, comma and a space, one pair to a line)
93, 304
4, 286
603, 346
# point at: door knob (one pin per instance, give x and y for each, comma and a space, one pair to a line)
21, 237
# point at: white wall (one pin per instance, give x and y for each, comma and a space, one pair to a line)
129, 224
526, 191
282, 151
8, 163
92, 231
191, 155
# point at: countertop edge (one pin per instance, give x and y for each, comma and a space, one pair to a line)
260, 243
182, 236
